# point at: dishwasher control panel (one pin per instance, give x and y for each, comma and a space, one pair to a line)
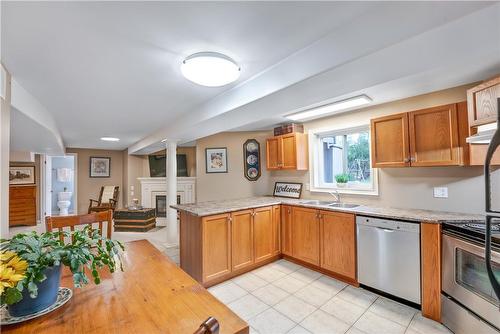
388, 224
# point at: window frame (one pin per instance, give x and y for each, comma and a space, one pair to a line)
315, 162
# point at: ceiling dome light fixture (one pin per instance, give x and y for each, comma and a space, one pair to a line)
210, 69
110, 139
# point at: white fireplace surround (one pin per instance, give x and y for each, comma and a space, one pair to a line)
153, 186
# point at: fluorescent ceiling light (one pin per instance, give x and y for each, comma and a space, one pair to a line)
330, 108
110, 139
210, 69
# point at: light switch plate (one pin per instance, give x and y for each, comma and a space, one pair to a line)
132, 188
441, 192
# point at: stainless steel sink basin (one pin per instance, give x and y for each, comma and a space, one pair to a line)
316, 202
343, 205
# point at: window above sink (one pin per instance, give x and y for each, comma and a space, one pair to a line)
342, 152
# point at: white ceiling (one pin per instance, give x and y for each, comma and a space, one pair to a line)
112, 69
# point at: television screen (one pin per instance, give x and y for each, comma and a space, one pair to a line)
157, 165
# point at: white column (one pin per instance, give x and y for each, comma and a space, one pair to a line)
4, 153
172, 227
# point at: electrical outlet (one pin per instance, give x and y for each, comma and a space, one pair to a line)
441, 192
131, 193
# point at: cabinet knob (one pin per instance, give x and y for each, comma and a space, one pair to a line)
407, 160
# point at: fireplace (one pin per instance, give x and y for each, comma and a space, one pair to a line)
161, 205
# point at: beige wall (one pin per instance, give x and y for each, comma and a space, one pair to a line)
407, 187
232, 184
89, 187
136, 166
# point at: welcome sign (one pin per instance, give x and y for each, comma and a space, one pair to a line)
287, 189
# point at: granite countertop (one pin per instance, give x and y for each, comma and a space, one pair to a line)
416, 215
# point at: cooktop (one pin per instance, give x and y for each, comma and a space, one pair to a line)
475, 231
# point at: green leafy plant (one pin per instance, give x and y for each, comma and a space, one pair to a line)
342, 178
87, 251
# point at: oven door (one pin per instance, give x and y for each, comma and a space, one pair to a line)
466, 280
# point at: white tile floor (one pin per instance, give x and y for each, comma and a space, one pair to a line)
283, 297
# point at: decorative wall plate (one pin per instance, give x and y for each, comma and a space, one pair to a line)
251, 159
63, 295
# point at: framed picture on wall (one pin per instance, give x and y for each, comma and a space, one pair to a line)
100, 167
21, 175
216, 160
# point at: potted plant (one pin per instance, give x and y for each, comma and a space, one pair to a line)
341, 180
30, 269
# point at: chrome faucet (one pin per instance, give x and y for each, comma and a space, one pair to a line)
336, 195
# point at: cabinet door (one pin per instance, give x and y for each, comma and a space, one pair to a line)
263, 233
216, 232
389, 141
273, 153
305, 235
286, 230
289, 151
434, 136
276, 229
482, 102
338, 243
242, 239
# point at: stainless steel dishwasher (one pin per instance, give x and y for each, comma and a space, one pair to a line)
389, 256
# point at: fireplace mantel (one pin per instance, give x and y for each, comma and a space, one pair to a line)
157, 186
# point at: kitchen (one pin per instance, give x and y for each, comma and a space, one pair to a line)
428, 259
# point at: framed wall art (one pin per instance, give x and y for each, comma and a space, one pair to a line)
100, 167
251, 156
21, 175
216, 160
287, 189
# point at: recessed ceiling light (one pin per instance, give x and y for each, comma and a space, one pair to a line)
110, 139
330, 108
210, 69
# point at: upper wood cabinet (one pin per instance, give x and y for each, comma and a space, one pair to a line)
390, 141
482, 102
305, 234
288, 151
434, 136
216, 238
428, 137
242, 240
286, 230
338, 243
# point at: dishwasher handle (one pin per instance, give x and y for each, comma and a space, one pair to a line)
388, 230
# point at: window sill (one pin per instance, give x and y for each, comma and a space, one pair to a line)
349, 191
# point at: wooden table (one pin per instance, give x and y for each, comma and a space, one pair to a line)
153, 295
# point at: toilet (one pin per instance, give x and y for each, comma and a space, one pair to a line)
63, 202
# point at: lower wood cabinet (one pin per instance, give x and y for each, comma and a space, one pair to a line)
216, 241
22, 205
242, 239
286, 230
305, 234
277, 229
338, 243
263, 233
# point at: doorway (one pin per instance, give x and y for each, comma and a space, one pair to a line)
60, 188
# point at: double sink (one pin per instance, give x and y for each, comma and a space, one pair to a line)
331, 204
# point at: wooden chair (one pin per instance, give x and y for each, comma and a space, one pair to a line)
108, 198
209, 326
59, 222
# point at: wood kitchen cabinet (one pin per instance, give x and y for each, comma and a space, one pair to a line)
427, 137
287, 151
22, 205
305, 234
276, 229
216, 238
286, 230
434, 136
390, 141
482, 102
242, 239
263, 227
338, 243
